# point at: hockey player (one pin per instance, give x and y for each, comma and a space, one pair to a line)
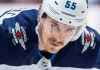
55, 36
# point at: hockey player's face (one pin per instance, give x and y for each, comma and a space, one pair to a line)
55, 35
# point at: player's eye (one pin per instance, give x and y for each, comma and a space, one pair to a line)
55, 27
69, 29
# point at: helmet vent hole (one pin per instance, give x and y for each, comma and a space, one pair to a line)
60, 19
70, 22
56, 2
82, 11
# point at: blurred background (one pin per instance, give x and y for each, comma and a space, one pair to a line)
20, 1
93, 12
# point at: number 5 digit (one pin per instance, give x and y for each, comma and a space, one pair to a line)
68, 4
73, 7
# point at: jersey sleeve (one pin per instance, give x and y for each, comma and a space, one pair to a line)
17, 35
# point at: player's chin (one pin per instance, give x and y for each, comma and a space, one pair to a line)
55, 49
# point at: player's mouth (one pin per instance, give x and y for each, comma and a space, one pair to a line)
54, 42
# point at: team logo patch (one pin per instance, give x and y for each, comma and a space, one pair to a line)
19, 36
44, 64
88, 40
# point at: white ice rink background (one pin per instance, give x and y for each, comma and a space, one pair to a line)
93, 21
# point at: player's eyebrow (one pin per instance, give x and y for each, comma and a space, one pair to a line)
53, 21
